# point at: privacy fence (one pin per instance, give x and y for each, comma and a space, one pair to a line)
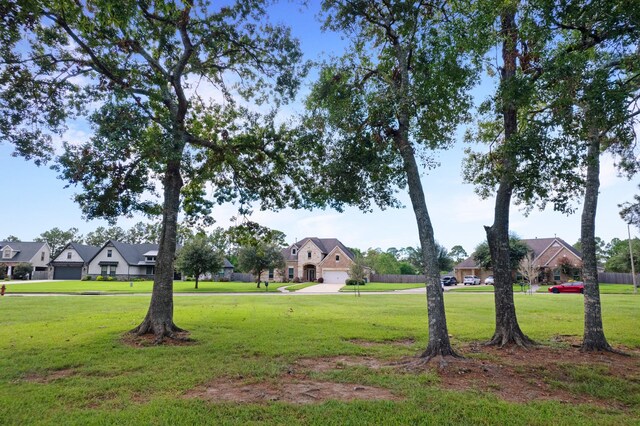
243, 278
617, 278
603, 277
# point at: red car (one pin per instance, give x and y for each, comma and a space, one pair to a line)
576, 287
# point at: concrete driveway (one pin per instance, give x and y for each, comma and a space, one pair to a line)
322, 288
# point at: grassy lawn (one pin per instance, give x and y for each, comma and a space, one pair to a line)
300, 286
382, 287
62, 360
138, 287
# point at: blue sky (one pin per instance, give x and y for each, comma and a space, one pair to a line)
35, 201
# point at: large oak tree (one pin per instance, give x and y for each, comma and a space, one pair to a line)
169, 89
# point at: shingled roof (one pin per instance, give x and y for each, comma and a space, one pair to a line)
25, 250
537, 245
85, 252
326, 245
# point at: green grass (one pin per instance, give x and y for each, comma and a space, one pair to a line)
296, 287
604, 288
382, 287
258, 338
138, 287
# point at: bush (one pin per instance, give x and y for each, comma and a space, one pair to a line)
99, 278
224, 279
320, 280
296, 280
354, 282
86, 278
110, 278
22, 271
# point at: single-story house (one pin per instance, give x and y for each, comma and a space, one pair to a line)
124, 261
73, 261
555, 259
313, 258
36, 253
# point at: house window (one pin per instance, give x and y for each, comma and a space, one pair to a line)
270, 274
103, 270
42, 257
294, 251
290, 273
150, 270
109, 253
7, 254
556, 274
69, 254
112, 270
337, 258
576, 274
308, 255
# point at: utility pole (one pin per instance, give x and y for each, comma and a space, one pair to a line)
633, 269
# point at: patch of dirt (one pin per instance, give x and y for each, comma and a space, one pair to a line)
522, 375
338, 363
288, 389
372, 343
146, 340
49, 376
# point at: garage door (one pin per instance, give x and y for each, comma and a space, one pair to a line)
67, 273
335, 277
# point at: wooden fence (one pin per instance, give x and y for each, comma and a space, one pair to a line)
245, 278
617, 278
397, 279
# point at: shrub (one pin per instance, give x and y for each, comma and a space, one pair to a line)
110, 278
296, 280
224, 279
22, 271
99, 278
86, 278
320, 280
354, 282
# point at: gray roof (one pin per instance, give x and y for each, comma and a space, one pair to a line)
26, 250
85, 252
537, 245
227, 264
326, 245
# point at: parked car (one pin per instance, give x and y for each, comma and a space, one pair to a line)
489, 280
575, 287
471, 280
448, 280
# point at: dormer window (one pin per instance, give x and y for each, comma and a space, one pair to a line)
294, 251
308, 255
6, 254
337, 258
69, 255
109, 253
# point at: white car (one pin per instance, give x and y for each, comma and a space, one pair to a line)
489, 280
471, 280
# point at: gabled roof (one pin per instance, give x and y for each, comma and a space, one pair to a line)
537, 245
227, 264
25, 250
84, 251
133, 254
326, 245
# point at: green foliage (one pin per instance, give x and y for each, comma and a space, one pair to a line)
619, 259
630, 212
12, 239
357, 271
458, 254
381, 262
198, 256
99, 278
101, 235
86, 278
351, 281
517, 251
260, 258
22, 271
57, 239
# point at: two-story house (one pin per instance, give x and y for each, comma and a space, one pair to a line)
124, 261
35, 253
313, 258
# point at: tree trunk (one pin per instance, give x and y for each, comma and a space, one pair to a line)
159, 319
507, 329
197, 276
594, 339
439, 344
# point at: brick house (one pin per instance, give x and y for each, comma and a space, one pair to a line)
556, 260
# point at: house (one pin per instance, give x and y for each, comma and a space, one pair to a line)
36, 253
227, 270
124, 261
73, 261
314, 258
555, 259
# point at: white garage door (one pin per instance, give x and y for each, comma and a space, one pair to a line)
335, 277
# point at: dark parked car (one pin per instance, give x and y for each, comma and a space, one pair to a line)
576, 287
448, 280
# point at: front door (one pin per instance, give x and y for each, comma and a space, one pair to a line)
310, 273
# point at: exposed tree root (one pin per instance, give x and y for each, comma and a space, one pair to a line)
160, 329
600, 347
508, 339
441, 352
